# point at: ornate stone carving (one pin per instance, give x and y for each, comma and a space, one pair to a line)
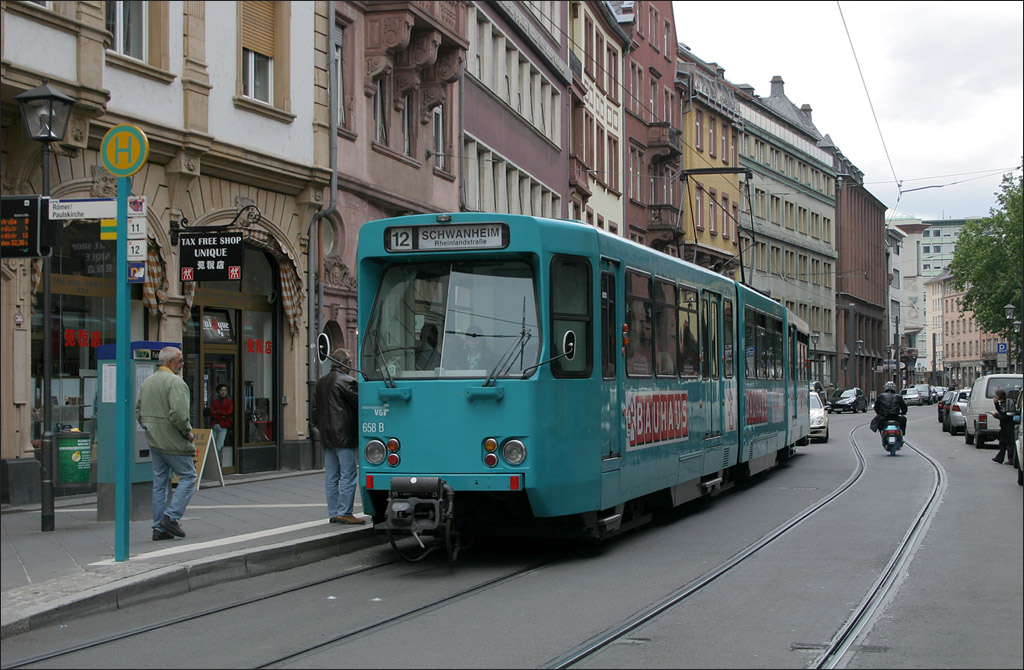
375, 67
449, 65
431, 95
337, 275
104, 184
406, 80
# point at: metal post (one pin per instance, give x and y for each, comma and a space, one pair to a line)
46, 440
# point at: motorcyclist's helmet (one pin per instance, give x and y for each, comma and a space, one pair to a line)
890, 386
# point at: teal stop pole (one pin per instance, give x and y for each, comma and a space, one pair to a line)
123, 414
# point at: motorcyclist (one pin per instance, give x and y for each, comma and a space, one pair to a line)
890, 405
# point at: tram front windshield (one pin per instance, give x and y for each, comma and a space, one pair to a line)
453, 320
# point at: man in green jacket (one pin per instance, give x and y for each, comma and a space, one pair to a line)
163, 410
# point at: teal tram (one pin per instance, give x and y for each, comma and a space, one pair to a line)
523, 375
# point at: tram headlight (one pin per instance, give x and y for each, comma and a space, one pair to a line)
375, 451
514, 452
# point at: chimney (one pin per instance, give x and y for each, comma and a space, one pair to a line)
806, 109
778, 86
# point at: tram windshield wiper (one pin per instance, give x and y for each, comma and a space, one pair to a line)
389, 381
504, 363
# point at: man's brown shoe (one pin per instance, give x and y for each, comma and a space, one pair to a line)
349, 519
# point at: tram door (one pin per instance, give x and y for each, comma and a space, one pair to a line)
611, 379
711, 369
220, 371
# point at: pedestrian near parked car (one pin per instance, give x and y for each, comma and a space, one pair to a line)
1004, 413
222, 410
163, 411
335, 411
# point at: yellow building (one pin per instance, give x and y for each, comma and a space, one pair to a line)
711, 169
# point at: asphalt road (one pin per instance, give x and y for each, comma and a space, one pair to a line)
958, 603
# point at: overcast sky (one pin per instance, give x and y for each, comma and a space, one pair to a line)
946, 80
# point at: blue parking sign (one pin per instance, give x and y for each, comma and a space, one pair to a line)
1001, 348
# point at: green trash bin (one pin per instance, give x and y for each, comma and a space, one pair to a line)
74, 457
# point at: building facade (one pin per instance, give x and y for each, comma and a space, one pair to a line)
711, 169
514, 138
862, 294
596, 49
237, 142
653, 147
787, 214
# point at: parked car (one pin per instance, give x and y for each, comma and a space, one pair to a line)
926, 393
943, 405
980, 425
849, 400
937, 393
817, 388
911, 395
954, 422
819, 419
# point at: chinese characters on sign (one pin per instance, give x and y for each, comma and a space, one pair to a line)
82, 338
258, 346
211, 256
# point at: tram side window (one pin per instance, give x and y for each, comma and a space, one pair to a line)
638, 317
570, 310
709, 336
764, 351
713, 337
777, 351
609, 332
689, 351
728, 346
750, 342
665, 333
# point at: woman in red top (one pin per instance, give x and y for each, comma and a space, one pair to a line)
222, 410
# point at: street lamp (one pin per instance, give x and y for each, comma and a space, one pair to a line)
45, 112
814, 351
1008, 310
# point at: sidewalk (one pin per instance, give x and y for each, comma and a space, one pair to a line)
254, 525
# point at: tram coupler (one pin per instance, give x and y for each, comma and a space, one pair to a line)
417, 505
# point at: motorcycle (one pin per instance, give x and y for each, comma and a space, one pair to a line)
892, 437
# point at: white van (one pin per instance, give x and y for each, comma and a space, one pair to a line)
980, 425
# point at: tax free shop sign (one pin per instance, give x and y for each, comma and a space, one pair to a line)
211, 256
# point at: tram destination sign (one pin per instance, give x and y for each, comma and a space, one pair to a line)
455, 237
19, 231
211, 256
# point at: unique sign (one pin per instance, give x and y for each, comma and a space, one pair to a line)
211, 256
455, 237
83, 208
19, 230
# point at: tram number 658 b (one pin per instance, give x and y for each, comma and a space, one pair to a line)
373, 427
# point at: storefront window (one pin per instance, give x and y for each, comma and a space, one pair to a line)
83, 317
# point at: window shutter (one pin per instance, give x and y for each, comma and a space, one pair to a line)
258, 27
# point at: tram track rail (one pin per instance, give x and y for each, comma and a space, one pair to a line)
859, 621
856, 626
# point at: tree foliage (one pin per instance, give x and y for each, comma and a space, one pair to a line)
989, 260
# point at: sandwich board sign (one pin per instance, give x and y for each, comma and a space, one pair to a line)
206, 452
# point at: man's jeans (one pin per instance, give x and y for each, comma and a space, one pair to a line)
164, 465
340, 480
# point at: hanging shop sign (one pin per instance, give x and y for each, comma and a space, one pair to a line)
211, 256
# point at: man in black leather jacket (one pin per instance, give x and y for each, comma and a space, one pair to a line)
890, 405
336, 413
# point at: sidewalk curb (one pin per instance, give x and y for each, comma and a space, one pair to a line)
171, 580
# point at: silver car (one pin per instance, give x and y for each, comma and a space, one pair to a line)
953, 421
911, 395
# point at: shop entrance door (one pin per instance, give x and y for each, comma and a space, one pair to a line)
220, 367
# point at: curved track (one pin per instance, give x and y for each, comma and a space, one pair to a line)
855, 627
